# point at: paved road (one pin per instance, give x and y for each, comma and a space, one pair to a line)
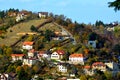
65, 30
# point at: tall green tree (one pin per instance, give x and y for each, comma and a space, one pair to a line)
22, 75
48, 34
115, 4
33, 28
2, 14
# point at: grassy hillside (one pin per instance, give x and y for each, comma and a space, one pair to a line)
11, 37
51, 27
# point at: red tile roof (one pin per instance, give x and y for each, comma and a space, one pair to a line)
28, 43
76, 55
98, 64
87, 67
60, 52
17, 54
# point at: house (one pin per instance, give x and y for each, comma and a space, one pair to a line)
4, 76
12, 76
62, 67
43, 55
92, 43
111, 29
43, 14
76, 59
88, 70
19, 17
29, 61
28, 45
112, 66
57, 38
12, 14
64, 33
31, 53
16, 57
99, 66
58, 55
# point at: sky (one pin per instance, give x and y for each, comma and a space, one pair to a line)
82, 11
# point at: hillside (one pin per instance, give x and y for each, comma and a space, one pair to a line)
51, 27
11, 35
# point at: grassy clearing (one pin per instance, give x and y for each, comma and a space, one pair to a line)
50, 26
11, 37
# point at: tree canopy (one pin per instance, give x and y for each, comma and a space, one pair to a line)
115, 4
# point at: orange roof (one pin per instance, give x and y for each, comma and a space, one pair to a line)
76, 55
98, 64
17, 54
86, 67
28, 43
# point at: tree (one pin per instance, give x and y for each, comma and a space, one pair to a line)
83, 77
8, 51
33, 28
92, 36
118, 75
4, 63
11, 22
11, 68
115, 4
116, 48
36, 68
48, 34
98, 23
30, 38
2, 14
22, 75
1, 51
108, 75
38, 44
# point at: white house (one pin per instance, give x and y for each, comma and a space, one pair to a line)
4, 76
22, 15
99, 65
43, 55
16, 57
92, 43
29, 62
62, 67
27, 45
31, 53
112, 65
76, 59
110, 28
43, 14
19, 17
58, 55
